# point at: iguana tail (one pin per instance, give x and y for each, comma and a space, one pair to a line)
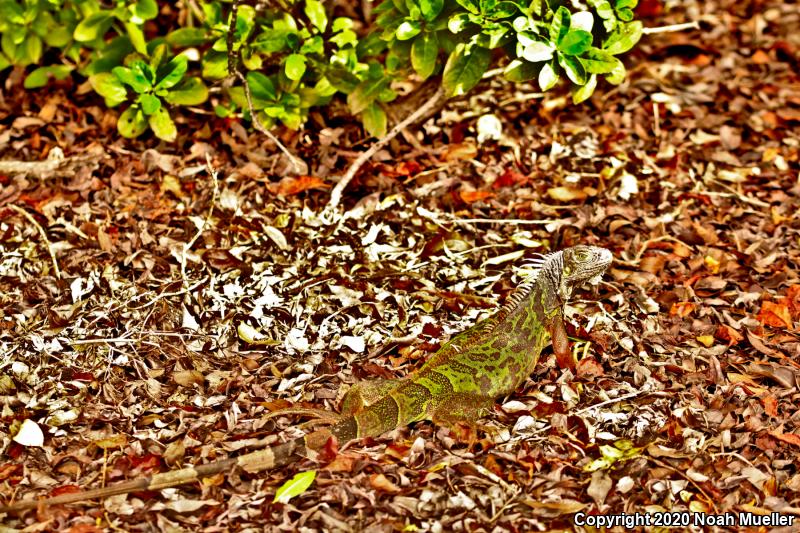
258, 461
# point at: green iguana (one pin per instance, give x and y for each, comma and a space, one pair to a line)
459, 383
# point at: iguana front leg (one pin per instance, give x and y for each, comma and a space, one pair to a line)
365, 393
462, 408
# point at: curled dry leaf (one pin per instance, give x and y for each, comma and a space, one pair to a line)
289, 186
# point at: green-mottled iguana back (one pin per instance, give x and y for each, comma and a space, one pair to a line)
459, 382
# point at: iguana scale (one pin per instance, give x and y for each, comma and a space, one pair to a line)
459, 382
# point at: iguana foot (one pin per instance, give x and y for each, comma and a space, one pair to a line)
460, 413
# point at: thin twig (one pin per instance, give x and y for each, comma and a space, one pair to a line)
300, 166
687, 478
42, 233
672, 27
336, 193
206, 223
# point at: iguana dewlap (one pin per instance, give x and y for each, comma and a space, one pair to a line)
459, 382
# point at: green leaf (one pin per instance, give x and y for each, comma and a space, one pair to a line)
342, 79
617, 75
150, 103
295, 486
548, 76
136, 35
573, 67
58, 36
109, 87
342, 23
133, 77
518, 71
624, 38
191, 91
13, 13
469, 5
261, 86
40, 76
172, 73
575, 42
187, 37
599, 61
314, 45
315, 12
581, 93
604, 9
430, 8
374, 120
424, 52
143, 10
33, 49
503, 10
626, 4
245, 22
215, 65
295, 66
408, 30
560, 24
458, 22
4, 62
110, 56
365, 94
582, 20
464, 69
132, 122
162, 125
93, 27
538, 51
271, 41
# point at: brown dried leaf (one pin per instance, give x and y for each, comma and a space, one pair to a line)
187, 378
381, 482
289, 186
775, 314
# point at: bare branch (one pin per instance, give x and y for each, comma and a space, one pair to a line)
300, 167
336, 193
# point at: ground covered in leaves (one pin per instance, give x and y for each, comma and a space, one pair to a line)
152, 316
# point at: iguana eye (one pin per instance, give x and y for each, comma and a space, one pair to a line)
581, 255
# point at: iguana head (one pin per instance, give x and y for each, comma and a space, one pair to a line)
581, 264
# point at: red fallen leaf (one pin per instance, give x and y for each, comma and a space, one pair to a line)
789, 114
431, 330
342, 463
775, 314
473, 196
329, 452
15, 450
791, 438
404, 168
493, 466
793, 300
588, 367
460, 152
398, 451
681, 309
381, 482
770, 405
649, 8
148, 461
289, 186
83, 528
544, 409
11, 471
760, 57
727, 333
508, 178
65, 489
